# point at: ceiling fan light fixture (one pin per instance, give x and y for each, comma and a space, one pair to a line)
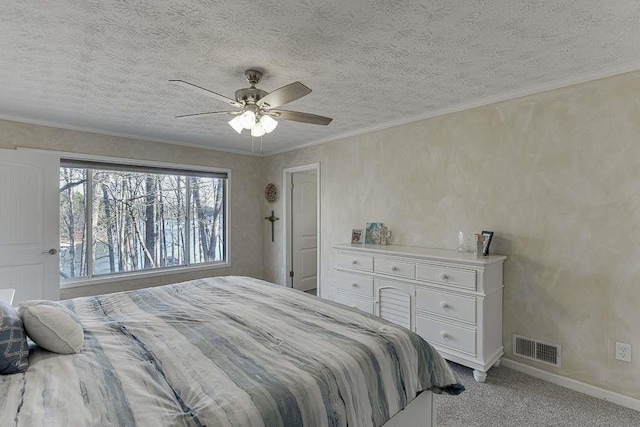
268, 123
236, 124
257, 110
257, 130
248, 119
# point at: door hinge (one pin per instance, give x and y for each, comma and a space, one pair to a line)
291, 186
291, 273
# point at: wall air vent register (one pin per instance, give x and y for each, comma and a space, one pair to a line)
537, 350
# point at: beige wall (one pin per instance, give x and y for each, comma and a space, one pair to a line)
245, 191
555, 175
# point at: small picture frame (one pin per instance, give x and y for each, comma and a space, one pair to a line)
488, 235
356, 236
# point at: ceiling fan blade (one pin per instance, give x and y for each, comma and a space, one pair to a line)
206, 92
284, 95
206, 114
297, 116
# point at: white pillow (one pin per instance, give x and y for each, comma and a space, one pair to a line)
52, 326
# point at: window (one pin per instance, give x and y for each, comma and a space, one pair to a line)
122, 218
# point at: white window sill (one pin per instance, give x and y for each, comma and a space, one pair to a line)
123, 277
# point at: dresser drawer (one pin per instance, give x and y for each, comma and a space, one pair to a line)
395, 267
358, 262
449, 276
437, 332
445, 304
361, 285
363, 304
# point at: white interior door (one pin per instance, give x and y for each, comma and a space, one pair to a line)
304, 233
29, 224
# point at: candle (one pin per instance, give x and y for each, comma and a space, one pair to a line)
460, 242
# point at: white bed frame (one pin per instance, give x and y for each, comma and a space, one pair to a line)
421, 411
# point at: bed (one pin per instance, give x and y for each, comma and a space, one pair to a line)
228, 351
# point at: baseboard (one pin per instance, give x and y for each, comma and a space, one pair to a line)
588, 389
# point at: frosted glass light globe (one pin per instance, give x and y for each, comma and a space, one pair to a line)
257, 130
268, 123
235, 124
248, 119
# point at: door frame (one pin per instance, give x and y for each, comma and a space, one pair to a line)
286, 220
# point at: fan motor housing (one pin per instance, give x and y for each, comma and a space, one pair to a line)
250, 95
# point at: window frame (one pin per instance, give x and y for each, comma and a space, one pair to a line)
161, 271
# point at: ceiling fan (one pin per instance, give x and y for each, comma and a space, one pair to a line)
256, 108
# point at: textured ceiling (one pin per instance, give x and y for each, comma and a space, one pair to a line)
104, 64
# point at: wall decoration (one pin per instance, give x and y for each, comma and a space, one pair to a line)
372, 233
488, 235
272, 219
356, 236
271, 193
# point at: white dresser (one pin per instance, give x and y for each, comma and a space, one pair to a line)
451, 299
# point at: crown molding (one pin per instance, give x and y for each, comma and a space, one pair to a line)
65, 126
494, 99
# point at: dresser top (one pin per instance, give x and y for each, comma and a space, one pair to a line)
425, 253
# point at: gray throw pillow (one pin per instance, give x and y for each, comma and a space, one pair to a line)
52, 326
14, 351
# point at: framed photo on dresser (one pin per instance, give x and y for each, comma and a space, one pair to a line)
488, 235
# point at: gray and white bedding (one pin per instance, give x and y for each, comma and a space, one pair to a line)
228, 351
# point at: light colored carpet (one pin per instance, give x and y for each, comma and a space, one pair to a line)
511, 398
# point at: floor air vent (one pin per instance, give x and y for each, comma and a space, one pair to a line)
537, 350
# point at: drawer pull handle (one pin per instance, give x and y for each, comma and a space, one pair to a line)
444, 305
354, 262
444, 276
355, 285
444, 335
394, 268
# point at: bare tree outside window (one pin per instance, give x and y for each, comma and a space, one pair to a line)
139, 221
206, 219
73, 227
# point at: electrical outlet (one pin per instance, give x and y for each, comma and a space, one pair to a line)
623, 352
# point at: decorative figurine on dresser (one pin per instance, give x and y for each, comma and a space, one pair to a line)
450, 298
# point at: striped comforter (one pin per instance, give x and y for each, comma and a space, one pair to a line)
229, 351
